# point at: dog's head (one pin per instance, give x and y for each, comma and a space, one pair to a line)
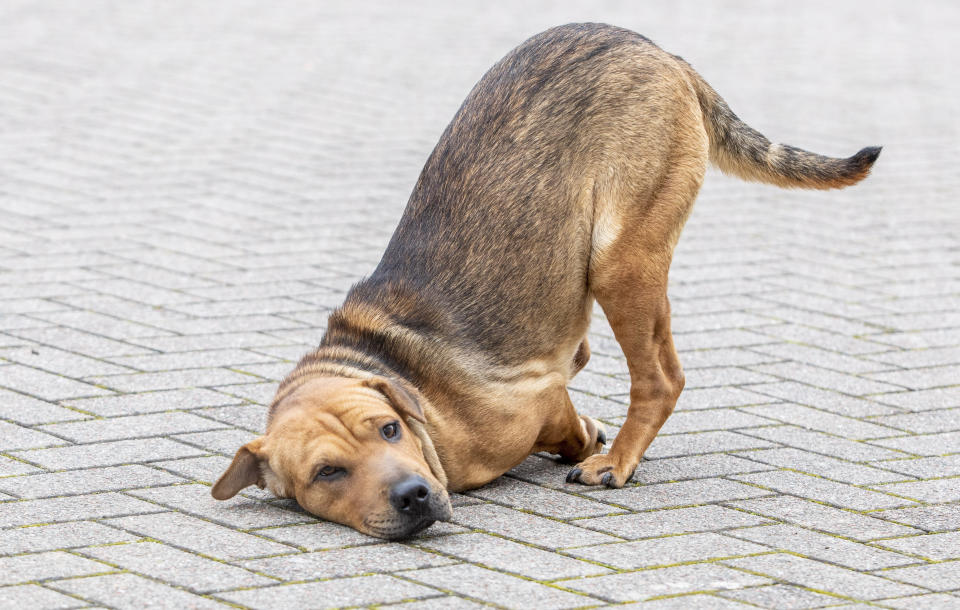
345, 450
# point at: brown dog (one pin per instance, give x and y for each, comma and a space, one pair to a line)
565, 177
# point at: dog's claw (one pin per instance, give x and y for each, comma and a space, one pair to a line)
573, 475
607, 480
601, 436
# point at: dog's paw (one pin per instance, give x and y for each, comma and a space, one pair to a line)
595, 436
601, 469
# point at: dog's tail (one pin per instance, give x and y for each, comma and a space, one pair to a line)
736, 148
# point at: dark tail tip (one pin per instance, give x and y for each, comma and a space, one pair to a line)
866, 156
855, 168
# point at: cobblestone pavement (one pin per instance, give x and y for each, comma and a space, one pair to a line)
187, 189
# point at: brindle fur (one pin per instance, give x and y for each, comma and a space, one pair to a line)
565, 177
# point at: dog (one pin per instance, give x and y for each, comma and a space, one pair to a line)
565, 178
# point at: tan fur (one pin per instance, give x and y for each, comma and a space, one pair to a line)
565, 178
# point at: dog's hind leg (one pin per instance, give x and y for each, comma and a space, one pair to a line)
629, 281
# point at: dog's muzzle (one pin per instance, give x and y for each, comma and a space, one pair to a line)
415, 508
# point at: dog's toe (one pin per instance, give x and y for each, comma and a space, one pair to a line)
574, 475
601, 436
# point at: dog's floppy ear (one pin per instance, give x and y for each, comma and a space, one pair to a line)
401, 399
243, 471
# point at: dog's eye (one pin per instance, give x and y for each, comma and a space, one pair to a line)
328, 472
391, 431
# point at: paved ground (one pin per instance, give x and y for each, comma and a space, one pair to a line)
186, 189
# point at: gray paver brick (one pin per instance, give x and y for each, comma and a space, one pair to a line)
824, 466
238, 512
149, 402
199, 536
935, 518
542, 501
332, 593
73, 482
71, 508
154, 424
27, 410
822, 576
344, 562
933, 491
46, 385
930, 601
923, 444
672, 521
108, 453
132, 591
19, 437
318, 536
817, 516
831, 492
58, 536
178, 567
513, 557
782, 596
663, 495
526, 527
824, 444
667, 551
508, 591
36, 598
36, 567
665, 581
937, 576
675, 445
822, 546
823, 421
930, 546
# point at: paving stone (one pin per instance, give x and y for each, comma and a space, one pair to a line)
929, 518
10, 467
696, 600
930, 601
782, 596
822, 576
37, 567
164, 400
674, 445
666, 551
205, 469
508, 591
826, 378
27, 410
71, 508
920, 378
823, 421
188, 360
933, 491
238, 512
199, 536
827, 400
941, 420
20, 437
132, 591
824, 444
108, 454
921, 400
74, 482
152, 425
58, 536
440, 603
248, 417
923, 444
36, 597
664, 495
822, 546
177, 567
665, 581
540, 500
831, 492
319, 535
46, 386
824, 466
60, 362
513, 557
711, 419
171, 380
332, 593
826, 518
935, 547
346, 562
707, 398
224, 442
673, 521
526, 527
937, 576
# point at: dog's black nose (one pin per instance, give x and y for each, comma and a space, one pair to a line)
410, 495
